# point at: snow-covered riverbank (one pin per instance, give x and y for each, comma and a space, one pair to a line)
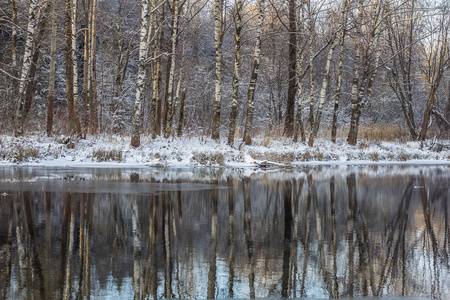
195, 151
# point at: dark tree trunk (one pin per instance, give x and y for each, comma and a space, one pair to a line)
292, 82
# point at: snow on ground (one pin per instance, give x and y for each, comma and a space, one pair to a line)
200, 151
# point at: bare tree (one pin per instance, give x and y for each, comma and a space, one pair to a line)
51, 87
218, 39
323, 91
76, 126
292, 62
158, 29
26, 65
237, 68
368, 57
311, 27
253, 77
137, 114
169, 98
337, 95
299, 53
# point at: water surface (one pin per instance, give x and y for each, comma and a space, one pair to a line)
326, 232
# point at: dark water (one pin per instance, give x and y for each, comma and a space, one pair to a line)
335, 232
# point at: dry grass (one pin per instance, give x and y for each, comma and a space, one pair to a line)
375, 132
102, 155
382, 132
20, 154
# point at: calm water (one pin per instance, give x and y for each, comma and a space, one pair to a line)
335, 232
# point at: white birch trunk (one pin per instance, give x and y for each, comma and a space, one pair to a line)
14, 37
254, 77
178, 90
323, 93
218, 10
311, 65
299, 57
135, 134
237, 71
355, 82
75, 66
156, 63
339, 73
338, 90
92, 73
168, 126
26, 65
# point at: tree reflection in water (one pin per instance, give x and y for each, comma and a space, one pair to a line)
318, 233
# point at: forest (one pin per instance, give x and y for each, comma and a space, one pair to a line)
226, 69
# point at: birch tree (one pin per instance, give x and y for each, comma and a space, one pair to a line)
69, 63
253, 77
218, 39
158, 24
26, 65
180, 99
337, 38
339, 72
137, 113
89, 67
76, 126
14, 44
299, 53
311, 28
355, 105
237, 70
92, 72
292, 82
323, 92
169, 99
362, 85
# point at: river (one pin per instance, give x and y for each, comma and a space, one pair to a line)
316, 232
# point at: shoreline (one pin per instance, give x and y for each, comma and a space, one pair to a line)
189, 152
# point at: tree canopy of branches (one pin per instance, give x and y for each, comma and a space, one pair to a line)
180, 67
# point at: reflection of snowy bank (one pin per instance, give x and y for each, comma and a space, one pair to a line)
113, 150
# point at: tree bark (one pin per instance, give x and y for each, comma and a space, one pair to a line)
179, 100
69, 63
180, 78
311, 65
299, 57
168, 105
26, 66
218, 37
156, 76
337, 95
13, 47
75, 126
323, 93
355, 105
51, 88
181, 116
86, 64
292, 82
253, 77
137, 114
92, 73
236, 74
14, 36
